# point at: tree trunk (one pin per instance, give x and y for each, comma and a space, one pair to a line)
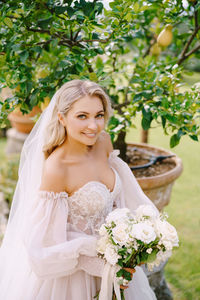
144, 136
121, 145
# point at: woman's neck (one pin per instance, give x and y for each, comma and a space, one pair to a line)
74, 148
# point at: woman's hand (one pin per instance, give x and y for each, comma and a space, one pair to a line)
131, 271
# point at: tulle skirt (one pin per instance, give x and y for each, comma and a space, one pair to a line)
78, 286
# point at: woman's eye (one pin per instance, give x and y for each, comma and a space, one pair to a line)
82, 116
100, 115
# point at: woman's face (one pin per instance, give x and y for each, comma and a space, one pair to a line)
85, 120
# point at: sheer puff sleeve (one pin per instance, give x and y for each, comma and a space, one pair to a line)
52, 250
132, 195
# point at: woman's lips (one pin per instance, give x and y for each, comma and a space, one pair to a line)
90, 135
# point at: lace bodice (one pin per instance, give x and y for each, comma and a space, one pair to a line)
89, 206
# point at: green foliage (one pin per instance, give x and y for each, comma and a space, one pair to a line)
9, 176
46, 43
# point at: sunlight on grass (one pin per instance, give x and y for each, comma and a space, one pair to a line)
2, 148
183, 269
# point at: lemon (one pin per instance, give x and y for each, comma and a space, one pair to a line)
165, 37
155, 49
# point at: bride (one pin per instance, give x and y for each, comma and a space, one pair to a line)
70, 178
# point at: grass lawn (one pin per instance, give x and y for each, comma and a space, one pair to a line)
183, 269
2, 149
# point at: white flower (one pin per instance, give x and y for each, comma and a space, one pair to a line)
102, 243
111, 255
166, 232
161, 256
120, 234
103, 231
118, 215
149, 250
168, 245
143, 232
146, 211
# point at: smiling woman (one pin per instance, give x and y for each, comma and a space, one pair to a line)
70, 179
81, 124
70, 112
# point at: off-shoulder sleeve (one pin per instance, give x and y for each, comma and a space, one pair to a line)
131, 194
52, 250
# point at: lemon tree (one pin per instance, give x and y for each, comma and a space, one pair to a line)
135, 49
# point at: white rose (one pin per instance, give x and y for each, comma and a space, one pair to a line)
118, 215
168, 245
102, 244
167, 232
146, 210
120, 234
111, 255
103, 231
143, 232
162, 256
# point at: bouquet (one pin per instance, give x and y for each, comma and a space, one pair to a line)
130, 239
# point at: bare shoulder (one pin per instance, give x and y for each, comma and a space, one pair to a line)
53, 176
106, 142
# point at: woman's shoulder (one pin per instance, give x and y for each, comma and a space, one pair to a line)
53, 175
105, 142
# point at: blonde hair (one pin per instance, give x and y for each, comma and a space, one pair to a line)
69, 93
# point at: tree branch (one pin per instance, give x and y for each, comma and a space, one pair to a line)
76, 35
96, 40
38, 30
192, 51
183, 55
89, 65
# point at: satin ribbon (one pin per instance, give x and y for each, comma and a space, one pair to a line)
109, 280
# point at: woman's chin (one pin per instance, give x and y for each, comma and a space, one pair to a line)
90, 141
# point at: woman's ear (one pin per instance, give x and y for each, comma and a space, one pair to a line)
60, 118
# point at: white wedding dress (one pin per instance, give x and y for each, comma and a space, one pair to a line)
58, 250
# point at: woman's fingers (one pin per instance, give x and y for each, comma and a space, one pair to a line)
123, 287
131, 271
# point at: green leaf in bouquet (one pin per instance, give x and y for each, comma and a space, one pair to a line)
122, 251
125, 274
144, 256
112, 240
119, 273
140, 242
152, 256
138, 259
113, 225
128, 258
120, 262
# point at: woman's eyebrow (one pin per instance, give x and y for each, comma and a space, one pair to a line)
87, 113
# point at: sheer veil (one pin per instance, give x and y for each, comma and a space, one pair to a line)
13, 255
30, 170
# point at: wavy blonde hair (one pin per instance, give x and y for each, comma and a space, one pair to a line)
69, 93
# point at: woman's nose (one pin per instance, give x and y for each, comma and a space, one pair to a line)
92, 124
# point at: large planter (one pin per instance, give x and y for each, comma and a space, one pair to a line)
23, 123
21, 127
158, 188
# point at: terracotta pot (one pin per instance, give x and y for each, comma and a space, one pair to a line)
158, 188
23, 123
